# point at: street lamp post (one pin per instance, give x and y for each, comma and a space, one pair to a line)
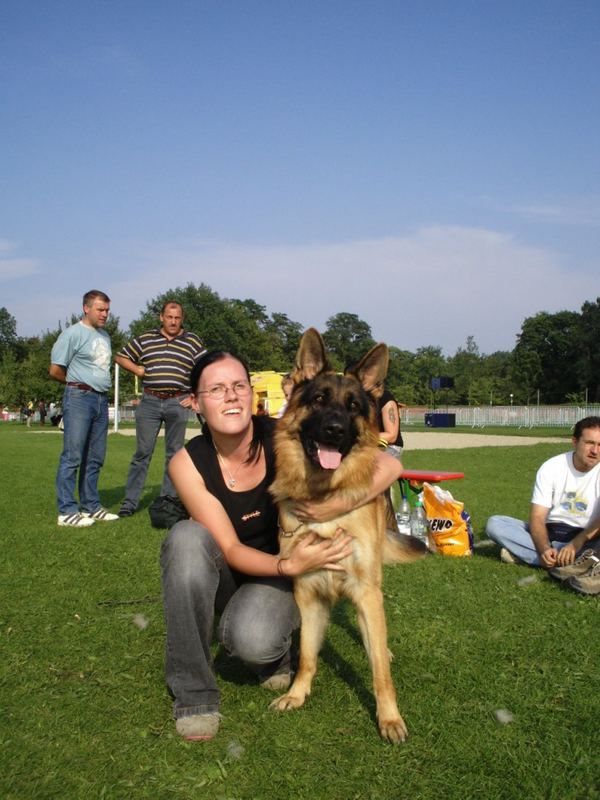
511, 398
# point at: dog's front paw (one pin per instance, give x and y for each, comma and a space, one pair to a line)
287, 702
394, 730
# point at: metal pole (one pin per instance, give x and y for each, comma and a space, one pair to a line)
116, 419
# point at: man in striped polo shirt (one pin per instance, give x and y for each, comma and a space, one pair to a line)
163, 359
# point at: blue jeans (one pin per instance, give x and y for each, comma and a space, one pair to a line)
149, 416
85, 418
256, 623
513, 534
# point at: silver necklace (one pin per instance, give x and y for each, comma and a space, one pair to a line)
231, 479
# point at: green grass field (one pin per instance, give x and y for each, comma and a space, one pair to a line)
85, 713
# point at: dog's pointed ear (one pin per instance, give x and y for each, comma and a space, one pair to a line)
372, 369
310, 358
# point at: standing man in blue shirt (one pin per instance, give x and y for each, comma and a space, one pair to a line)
163, 358
81, 359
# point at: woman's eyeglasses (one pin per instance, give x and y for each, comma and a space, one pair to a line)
218, 392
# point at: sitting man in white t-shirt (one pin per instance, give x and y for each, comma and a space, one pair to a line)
565, 507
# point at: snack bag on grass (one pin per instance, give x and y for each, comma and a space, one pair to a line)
449, 524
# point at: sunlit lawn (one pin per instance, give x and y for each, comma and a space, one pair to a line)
85, 713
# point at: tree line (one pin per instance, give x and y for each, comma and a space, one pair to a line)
556, 358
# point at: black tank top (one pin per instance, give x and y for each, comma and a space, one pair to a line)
252, 513
385, 398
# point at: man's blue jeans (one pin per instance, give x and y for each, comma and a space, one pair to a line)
514, 535
85, 418
149, 416
256, 624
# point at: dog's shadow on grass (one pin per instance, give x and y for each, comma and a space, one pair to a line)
360, 682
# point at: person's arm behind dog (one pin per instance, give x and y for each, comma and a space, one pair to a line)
391, 422
387, 470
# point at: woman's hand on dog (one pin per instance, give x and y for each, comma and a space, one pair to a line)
312, 552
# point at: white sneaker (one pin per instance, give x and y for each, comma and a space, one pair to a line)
100, 514
76, 520
508, 558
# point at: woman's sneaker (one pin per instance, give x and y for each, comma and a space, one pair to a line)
198, 727
580, 566
280, 682
76, 520
588, 583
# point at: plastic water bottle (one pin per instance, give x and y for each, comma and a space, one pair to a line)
418, 523
403, 517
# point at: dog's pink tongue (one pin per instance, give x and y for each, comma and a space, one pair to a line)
328, 457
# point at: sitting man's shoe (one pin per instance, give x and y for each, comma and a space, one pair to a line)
508, 558
198, 727
76, 520
588, 583
126, 511
100, 515
580, 566
279, 682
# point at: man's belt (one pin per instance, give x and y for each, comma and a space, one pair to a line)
84, 387
165, 395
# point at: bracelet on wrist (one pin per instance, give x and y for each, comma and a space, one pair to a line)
280, 568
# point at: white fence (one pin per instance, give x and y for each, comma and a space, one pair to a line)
473, 416
506, 416
470, 416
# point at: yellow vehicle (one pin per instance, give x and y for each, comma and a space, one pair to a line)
268, 394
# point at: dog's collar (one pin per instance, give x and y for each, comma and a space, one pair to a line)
288, 534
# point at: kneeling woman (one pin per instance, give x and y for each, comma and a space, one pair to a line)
224, 558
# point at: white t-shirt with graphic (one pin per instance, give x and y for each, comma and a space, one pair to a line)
573, 497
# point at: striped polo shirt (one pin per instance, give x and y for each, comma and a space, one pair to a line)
168, 362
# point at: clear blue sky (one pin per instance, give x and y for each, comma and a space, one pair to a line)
433, 167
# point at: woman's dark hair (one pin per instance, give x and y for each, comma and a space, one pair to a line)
258, 429
208, 358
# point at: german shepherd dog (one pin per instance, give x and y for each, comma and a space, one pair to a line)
325, 443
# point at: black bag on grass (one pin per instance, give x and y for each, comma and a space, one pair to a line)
165, 511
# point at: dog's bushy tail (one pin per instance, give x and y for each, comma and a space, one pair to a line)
400, 549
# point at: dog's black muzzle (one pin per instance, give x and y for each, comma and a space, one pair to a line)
332, 428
